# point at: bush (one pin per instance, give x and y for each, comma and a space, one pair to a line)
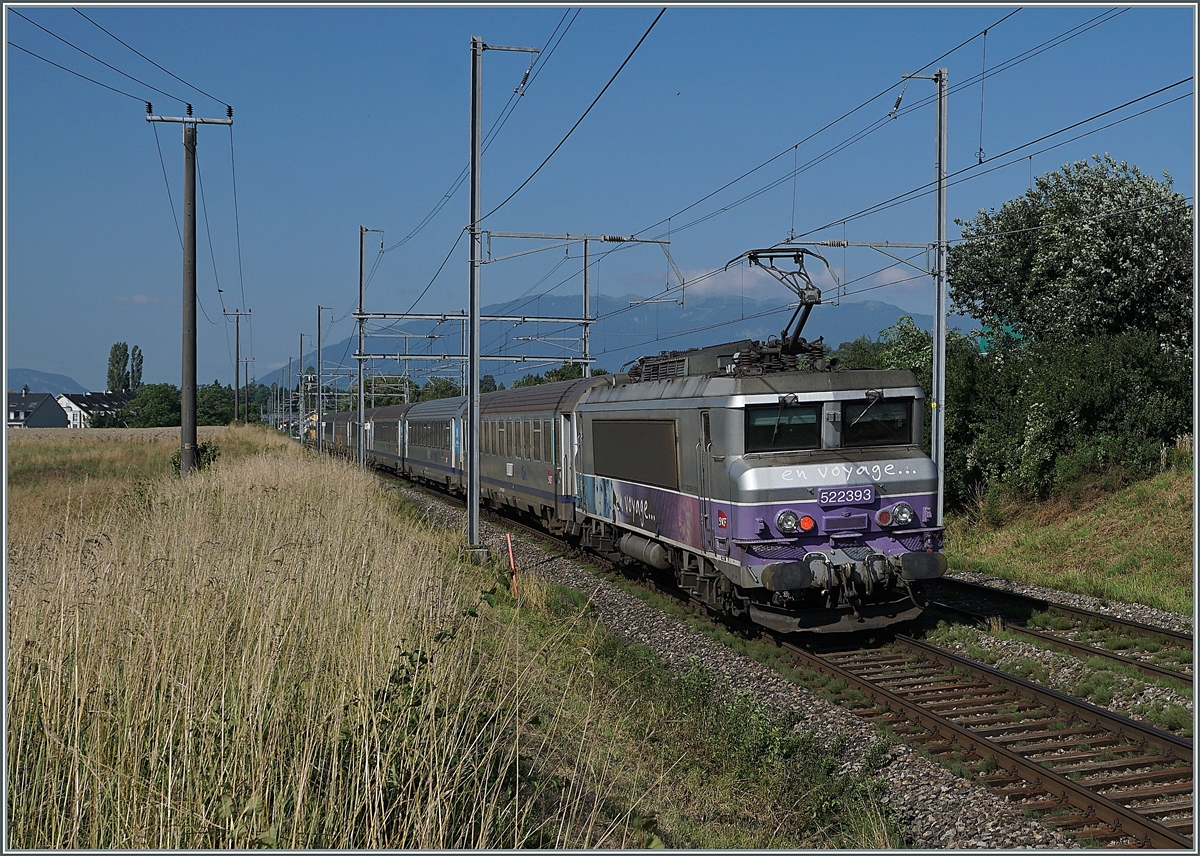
206, 453
1044, 414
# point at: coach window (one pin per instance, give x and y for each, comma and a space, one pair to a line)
537, 440
548, 440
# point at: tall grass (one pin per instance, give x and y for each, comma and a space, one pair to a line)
253, 655
275, 653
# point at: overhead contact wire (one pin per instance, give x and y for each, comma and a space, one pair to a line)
97, 59
581, 118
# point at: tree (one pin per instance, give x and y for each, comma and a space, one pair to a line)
438, 387
156, 405
214, 404
135, 369
567, 371
1096, 249
118, 367
487, 383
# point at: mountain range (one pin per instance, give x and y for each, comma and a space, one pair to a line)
55, 384
625, 332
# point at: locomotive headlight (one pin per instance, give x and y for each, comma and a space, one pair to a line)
787, 521
902, 514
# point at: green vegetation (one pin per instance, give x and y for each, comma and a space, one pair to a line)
189, 668
124, 368
1055, 264
1082, 372
1133, 545
567, 371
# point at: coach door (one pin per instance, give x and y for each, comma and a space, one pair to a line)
564, 447
704, 480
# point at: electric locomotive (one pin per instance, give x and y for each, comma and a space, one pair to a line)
771, 484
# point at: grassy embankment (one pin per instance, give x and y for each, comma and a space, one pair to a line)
1131, 544
275, 652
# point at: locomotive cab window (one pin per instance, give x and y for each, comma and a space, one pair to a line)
877, 423
783, 427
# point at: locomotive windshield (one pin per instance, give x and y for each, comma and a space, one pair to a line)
783, 427
877, 423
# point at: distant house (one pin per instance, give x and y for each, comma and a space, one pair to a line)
84, 410
35, 410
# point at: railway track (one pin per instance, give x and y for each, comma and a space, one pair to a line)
1082, 769
1156, 652
1097, 775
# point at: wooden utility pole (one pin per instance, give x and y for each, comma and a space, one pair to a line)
187, 387
237, 357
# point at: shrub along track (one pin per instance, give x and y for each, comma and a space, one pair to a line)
1156, 652
1073, 765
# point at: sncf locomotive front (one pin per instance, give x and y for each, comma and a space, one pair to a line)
798, 498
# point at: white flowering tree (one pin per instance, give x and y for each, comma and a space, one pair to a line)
1097, 248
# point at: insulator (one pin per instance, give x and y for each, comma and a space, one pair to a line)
149, 109
228, 112
189, 109
896, 106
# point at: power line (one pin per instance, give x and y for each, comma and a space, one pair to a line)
237, 225
97, 59
821, 130
900, 198
924, 189
538, 64
152, 62
212, 254
77, 74
927, 189
877, 124
170, 199
439, 270
871, 128
581, 118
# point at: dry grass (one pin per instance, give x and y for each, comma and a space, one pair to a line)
273, 652
254, 655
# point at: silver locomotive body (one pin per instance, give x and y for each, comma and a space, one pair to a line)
799, 499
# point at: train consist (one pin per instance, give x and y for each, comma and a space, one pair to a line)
774, 486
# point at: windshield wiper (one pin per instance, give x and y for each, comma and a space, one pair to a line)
874, 395
783, 399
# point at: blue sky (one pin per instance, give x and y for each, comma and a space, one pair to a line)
349, 116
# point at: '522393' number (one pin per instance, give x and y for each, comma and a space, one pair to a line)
861, 495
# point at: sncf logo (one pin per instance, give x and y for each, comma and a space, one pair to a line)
722, 520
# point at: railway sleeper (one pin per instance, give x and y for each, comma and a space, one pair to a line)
1168, 775
1123, 796
976, 704
1007, 732
964, 691
1099, 743
1164, 809
1136, 763
1005, 721
918, 682
1051, 803
1072, 758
